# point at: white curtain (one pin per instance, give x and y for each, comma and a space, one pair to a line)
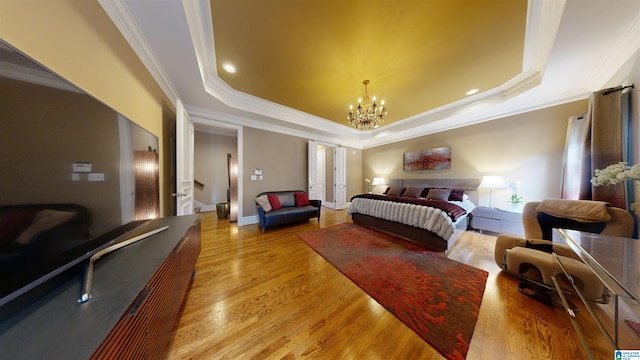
577, 131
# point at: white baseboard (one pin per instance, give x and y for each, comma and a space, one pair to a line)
208, 208
248, 220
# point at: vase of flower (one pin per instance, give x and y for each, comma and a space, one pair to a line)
515, 199
369, 189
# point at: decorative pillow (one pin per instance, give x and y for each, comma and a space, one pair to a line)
456, 195
424, 192
263, 201
44, 220
14, 223
438, 194
396, 191
274, 201
386, 191
302, 199
412, 192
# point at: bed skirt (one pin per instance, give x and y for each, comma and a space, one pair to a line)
421, 236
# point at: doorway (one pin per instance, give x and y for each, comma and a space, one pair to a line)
332, 173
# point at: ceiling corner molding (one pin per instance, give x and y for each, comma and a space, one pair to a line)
122, 18
543, 23
208, 117
628, 45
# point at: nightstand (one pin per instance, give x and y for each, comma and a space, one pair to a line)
498, 220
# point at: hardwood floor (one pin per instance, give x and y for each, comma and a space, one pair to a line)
269, 296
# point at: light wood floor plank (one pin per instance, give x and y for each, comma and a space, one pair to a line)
269, 296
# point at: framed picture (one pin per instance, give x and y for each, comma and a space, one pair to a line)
431, 159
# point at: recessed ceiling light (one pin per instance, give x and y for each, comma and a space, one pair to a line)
471, 92
229, 68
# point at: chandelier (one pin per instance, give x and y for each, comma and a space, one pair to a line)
368, 115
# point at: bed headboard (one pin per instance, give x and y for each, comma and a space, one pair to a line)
470, 186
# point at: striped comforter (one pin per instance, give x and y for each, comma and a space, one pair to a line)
438, 218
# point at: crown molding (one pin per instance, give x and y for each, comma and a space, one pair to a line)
483, 114
205, 116
543, 21
628, 45
121, 16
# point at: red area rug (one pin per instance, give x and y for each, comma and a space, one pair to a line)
437, 297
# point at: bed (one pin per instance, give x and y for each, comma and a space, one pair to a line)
435, 222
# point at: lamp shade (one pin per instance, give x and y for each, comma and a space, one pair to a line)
492, 182
378, 181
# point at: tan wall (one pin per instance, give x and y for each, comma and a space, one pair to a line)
354, 172
284, 163
78, 41
210, 166
528, 147
282, 158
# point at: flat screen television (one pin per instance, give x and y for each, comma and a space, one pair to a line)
61, 145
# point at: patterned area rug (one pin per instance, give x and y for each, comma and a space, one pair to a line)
437, 297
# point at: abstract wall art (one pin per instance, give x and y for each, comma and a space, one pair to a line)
431, 159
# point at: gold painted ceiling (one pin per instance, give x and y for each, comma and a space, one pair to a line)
313, 55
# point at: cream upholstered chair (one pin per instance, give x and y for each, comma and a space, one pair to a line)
530, 258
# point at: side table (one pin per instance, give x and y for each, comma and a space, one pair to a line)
498, 220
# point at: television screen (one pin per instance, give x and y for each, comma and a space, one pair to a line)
70, 162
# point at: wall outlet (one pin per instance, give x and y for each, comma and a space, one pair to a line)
96, 177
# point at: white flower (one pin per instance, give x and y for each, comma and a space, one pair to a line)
615, 174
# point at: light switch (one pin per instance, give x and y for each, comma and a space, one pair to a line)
96, 177
82, 167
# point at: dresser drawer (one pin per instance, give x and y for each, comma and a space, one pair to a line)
482, 223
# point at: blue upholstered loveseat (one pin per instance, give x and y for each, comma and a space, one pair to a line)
294, 208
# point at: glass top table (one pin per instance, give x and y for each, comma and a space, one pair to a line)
616, 262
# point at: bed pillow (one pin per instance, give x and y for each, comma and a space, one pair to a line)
412, 192
274, 201
438, 194
396, 191
456, 195
302, 199
44, 220
263, 201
